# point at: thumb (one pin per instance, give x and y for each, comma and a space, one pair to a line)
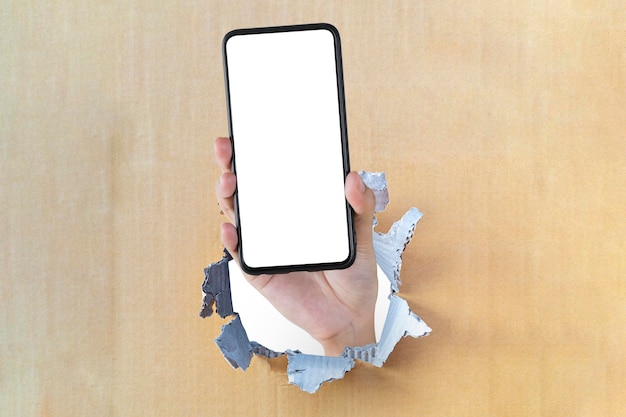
363, 201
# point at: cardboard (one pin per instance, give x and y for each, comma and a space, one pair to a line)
504, 122
310, 371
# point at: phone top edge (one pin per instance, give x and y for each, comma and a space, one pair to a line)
284, 28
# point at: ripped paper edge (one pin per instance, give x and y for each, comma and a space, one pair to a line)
309, 372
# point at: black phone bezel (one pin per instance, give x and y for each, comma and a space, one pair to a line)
282, 269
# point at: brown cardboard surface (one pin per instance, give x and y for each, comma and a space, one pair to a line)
503, 122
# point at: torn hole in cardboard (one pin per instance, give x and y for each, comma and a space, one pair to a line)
258, 329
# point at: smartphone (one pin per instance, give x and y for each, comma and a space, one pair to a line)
287, 124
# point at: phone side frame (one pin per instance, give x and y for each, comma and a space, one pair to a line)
281, 269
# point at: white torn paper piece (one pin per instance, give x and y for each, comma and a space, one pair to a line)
310, 371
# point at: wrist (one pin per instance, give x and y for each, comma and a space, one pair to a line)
357, 333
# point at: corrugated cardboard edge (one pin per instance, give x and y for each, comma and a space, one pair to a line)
309, 372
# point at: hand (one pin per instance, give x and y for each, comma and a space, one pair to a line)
335, 307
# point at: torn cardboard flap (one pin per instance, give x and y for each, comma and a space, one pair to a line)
234, 344
216, 288
390, 246
377, 182
306, 371
309, 372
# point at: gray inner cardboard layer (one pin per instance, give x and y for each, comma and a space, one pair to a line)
309, 372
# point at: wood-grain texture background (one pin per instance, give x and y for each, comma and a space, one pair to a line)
504, 122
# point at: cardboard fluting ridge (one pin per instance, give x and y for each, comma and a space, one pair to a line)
365, 353
400, 322
309, 372
390, 246
260, 350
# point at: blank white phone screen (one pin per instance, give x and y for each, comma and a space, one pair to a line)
289, 162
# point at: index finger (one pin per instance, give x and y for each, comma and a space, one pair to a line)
223, 153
